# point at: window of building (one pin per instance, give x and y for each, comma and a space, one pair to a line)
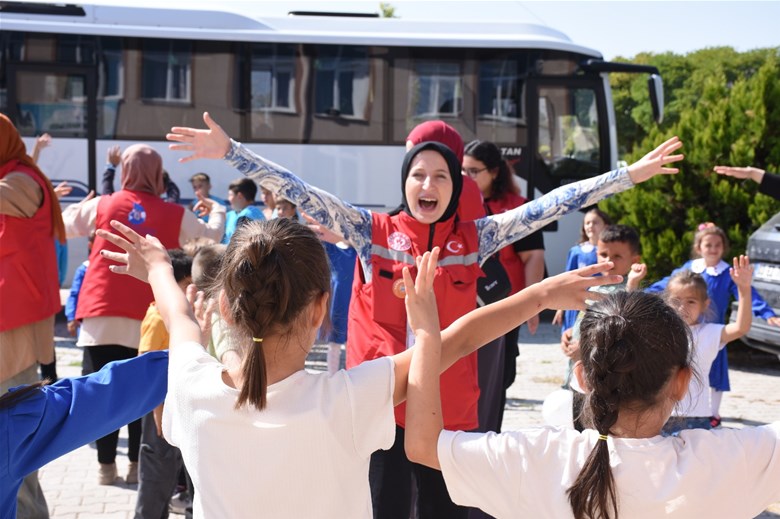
342, 81
166, 71
272, 78
436, 89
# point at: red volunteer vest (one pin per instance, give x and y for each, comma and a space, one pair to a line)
511, 262
377, 316
29, 286
105, 294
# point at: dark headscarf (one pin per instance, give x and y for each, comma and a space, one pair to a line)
12, 148
142, 170
454, 168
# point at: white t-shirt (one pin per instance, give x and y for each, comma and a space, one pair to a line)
305, 455
732, 473
705, 347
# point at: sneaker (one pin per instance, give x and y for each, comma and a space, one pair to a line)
180, 503
132, 473
715, 421
107, 474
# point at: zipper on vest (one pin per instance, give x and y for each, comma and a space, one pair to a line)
430, 237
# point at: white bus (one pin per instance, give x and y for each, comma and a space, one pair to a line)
330, 97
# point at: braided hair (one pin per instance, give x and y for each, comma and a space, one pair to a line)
631, 343
271, 273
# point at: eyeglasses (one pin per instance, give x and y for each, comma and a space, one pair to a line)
473, 172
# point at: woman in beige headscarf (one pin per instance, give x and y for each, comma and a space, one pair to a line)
111, 307
30, 221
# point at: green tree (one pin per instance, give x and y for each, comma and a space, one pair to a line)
387, 10
725, 106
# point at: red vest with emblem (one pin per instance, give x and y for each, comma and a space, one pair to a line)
509, 259
29, 286
377, 315
105, 294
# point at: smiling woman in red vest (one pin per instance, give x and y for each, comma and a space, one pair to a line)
431, 183
111, 307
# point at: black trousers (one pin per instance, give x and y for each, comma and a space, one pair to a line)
95, 357
401, 489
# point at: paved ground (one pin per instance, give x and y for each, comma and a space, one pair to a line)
70, 482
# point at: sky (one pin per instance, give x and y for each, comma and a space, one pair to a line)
615, 28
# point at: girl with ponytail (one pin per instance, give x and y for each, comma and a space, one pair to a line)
256, 436
636, 367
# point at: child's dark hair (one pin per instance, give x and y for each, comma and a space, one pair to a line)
182, 264
271, 273
708, 229
622, 233
489, 154
598, 212
206, 266
632, 343
245, 186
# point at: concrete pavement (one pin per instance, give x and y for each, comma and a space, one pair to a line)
70, 482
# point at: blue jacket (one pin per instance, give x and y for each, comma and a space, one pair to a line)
73, 412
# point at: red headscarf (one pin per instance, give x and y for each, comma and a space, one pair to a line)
438, 131
12, 149
470, 205
142, 170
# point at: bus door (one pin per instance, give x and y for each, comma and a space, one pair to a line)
569, 132
58, 100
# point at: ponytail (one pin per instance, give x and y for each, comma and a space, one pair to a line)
631, 345
271, 273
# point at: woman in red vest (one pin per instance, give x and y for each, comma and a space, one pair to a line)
111, 307
30, 222
431, 183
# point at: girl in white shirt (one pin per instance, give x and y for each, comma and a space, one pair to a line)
269, 437
687, 293
636, 367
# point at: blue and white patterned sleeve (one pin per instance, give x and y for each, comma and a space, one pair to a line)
351, 222
499, 230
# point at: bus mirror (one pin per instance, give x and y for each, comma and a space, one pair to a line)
656, 86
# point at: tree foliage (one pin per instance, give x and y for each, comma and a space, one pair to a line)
387, 10
725, 106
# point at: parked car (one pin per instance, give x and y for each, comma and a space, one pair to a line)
764, 251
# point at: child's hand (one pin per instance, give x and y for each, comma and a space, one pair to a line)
203, 309
635, 275
742, 272
420, 299
569, 346
114, 155
141, 255
213, 143
569, 291
73, 327
558, 318
204, 206
653, 163
62, 189
43, 141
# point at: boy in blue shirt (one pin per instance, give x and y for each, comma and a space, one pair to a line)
241, 196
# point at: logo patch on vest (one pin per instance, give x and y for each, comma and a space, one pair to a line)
454, 247
138, 215
399, 241
399, 288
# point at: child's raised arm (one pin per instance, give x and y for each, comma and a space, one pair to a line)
423, 408
423, 316
147, 260
742, 275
